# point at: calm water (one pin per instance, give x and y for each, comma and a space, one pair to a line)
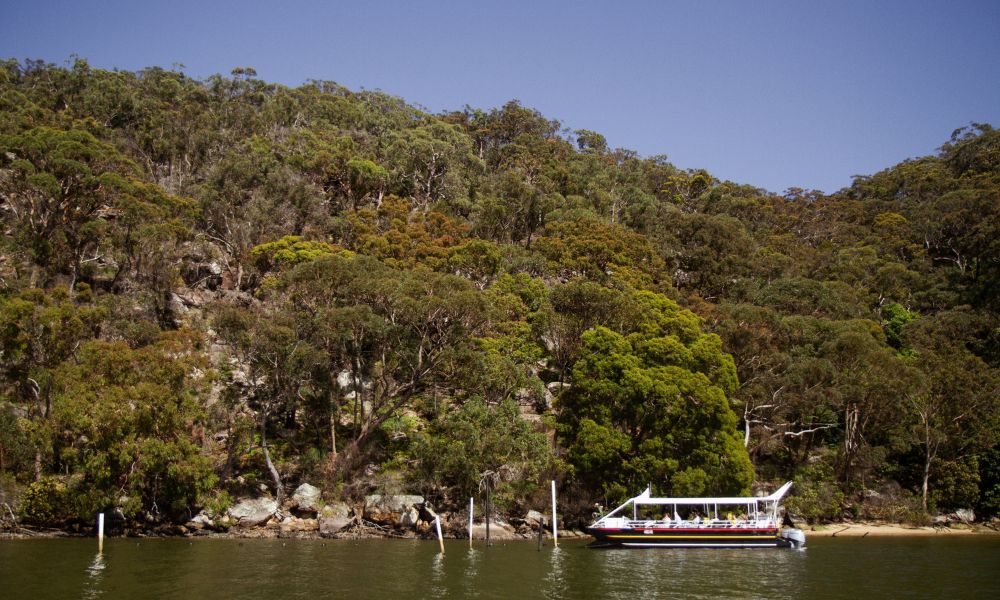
966, 567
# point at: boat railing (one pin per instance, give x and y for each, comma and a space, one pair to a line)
686, 524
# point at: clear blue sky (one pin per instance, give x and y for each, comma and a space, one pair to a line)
772, 93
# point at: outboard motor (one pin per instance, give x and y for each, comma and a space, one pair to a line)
796, 538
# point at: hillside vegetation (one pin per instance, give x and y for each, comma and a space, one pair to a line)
213, 288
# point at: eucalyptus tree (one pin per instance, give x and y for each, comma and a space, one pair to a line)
654, 404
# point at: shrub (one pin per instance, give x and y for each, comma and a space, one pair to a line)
47, 502
817, 496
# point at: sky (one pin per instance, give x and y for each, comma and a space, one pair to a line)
776, 94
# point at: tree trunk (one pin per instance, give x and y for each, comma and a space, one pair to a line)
928, 457
279, 488
334, 417
930, 451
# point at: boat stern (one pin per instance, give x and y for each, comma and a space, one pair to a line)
794, 538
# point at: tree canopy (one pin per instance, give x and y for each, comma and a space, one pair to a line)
207, 286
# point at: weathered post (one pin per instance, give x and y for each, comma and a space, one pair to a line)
437, 525
555, 535
100, 532
472, 508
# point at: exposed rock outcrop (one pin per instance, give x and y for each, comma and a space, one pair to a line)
307, 498
391, 510
250, 512
333, 518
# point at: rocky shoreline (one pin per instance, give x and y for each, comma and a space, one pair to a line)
305, 515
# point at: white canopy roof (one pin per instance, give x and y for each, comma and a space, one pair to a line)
645, 498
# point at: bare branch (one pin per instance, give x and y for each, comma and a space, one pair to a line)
805, 431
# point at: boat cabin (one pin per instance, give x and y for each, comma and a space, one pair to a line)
720, 512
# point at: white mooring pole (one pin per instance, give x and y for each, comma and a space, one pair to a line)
555, 535
437, 524
100, 532
472, 508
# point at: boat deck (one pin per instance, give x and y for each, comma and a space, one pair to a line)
711, 524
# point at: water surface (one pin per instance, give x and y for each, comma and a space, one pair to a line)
956, 567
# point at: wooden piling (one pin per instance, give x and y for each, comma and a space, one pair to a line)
100, 532
437, 525
555, 535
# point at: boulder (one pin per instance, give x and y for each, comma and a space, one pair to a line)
294, 525
250, 512
389, 509
409, 517
200, 521
965, 515
552, 391
498, 531
571, 533
335, 509
333, 518
534, 518
331, 525
307, 498
176, 304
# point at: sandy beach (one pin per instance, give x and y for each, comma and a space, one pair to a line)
882, 530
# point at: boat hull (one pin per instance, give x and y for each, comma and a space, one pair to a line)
676, 537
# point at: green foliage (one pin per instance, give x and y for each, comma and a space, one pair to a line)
894, 318
852, 338
956, 484
130, 413
288, 251
46, 502
817, 497
479, 441
218, 503
15, 445
477, 260
989, 477
645, 408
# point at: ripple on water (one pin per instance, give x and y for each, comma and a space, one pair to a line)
287, 569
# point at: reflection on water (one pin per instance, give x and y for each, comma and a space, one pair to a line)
949, 567
95, 575
438, 588
555, 584
469, 589
699, 573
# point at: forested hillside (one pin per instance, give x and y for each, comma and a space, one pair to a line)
215, 288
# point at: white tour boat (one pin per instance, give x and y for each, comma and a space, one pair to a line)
735, 522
